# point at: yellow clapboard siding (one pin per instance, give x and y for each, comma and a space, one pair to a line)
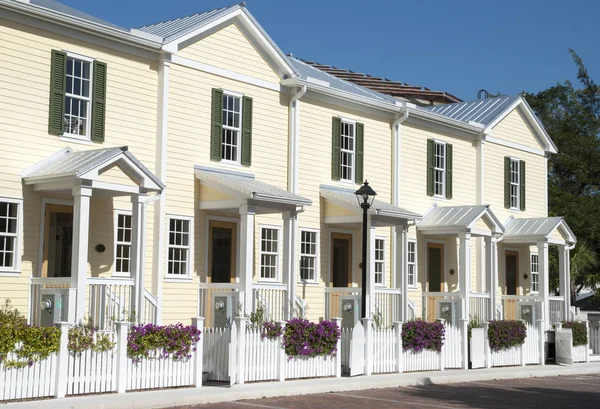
513, 128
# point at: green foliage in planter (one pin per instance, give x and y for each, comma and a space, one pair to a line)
84, 336
505, 334
474, 322
29, 344
580, 336
155, 341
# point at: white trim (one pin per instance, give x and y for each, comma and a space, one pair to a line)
88, 118
444, 170
17, 254
117, 213
513, 160
279, 241
314, 281
234, 220
222, 72
514, 145
416, 264
190, 247
353, 152
239, 129
375, 261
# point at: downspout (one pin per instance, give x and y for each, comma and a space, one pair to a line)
396, 177
294, 147
480, 273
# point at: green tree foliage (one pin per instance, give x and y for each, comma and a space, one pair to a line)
572, 117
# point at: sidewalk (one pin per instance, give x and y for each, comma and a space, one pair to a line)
214, 394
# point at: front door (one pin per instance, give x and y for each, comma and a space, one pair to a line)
435, 261
512, 272
58, 241
341, 260
222, 254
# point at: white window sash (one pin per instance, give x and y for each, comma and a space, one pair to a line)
237, 130
535, 272
17, 237
411, 263
314, 257
439, 170
122, 243
350, 152
380, 261
188, 247
516, 164
277, 277
88, 99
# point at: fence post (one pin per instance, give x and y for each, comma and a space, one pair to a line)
486, 345
398, 345
198, 322
587, 345
442, 352
465, 343
338, 355
62, 361
367, 324
122, 330
522, 349
241, 348
541, 342
282, 355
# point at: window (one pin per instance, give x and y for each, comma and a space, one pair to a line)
308, 255
439, 173
379, 261
514, 183
9, 235
535, 273
347, 150
412, 263
78, 91
179, 246
123, 245
232, 113
269, 253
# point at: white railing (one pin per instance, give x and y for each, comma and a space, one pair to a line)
150, 308
300, 308
594, 336
431, 300
388, 303
207, 292
479, 306
35, 381
272, 298
556, 307
110, 300
333, 297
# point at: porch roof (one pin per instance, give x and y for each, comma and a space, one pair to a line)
540, 228
245, 186
67, 165
455, 219
346, 199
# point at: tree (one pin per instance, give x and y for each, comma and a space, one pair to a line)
572, 118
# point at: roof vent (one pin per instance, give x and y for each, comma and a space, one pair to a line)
483, 94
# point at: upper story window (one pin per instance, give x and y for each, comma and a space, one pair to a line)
535, 274
179, 246
380, 261
231, 127
514, 183
347, 150
412, 263
123, 245
77, 97
308, 255
439, 169
269, 253
10, 228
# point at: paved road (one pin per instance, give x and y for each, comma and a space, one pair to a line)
576, 392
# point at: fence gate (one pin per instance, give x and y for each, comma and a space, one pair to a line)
564, 344
477, 350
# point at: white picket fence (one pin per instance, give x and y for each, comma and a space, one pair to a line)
152, 373
425, 360
528, 353
384, 350
35, 381
216, 353
263, 357
594, 336
531, 346
507, 357
92, 372
453, 347
345, 349
316, 367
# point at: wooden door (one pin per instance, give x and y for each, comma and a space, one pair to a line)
222, 252
57, 241
341, 260
435, 266
511, 267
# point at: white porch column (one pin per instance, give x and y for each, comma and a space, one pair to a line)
464, 272
290, 237
543, 281
564, 278
491, 273
136, 257
371, 262
247, 214
401, 268
79, 256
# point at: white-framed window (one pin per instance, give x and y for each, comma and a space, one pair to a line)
515, 178
379, 261
412, 263
348, 150
308, 255
232, 127
269, 253
535, 273
123, 243
180, 239
78, 96
11, 216
439, 169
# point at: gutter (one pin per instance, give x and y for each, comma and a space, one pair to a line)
66, 20
294, 140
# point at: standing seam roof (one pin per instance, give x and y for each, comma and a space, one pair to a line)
480, 111
61, 8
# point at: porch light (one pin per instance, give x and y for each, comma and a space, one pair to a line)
365, 196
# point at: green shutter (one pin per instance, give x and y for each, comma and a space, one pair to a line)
507, 182
360, 148
58, 72
98, 101
336, 141
216, 147
448, 171
522, 184
246, 131
430, 165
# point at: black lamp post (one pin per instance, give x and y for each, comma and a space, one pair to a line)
365, 196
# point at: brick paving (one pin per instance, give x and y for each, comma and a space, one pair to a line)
576, 391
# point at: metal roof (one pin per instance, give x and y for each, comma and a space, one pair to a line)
480, 111
540, 227
308, 72
70, 11
248, 186
348, 197
460, 217
68, 163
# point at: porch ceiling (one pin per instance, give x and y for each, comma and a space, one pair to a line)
382, 214
460, 219
554, 230
238, 189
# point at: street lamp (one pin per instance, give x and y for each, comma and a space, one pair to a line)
365, 196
